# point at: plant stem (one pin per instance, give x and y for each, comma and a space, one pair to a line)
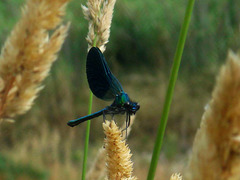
87, 138
170, 90
84, 169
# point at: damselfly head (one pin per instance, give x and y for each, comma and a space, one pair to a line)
132, 107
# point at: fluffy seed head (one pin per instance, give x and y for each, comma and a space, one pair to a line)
99, 14
118, 160
216, 149
28, 54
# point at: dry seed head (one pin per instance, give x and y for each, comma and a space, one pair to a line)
216, 149
176, 176
118, 160
98, 167
2, 84
99, 14
28, 54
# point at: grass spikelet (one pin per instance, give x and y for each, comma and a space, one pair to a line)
98, 167
216, 152
28, 54
99, 14
176, 176
118, 159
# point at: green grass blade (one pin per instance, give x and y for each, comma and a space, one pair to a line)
170, 90
87, 138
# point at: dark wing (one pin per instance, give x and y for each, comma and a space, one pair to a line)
101, 81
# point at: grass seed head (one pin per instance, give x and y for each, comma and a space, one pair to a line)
99, 13
216, 149
28, 54
118, 156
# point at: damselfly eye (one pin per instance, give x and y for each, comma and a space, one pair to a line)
135, 107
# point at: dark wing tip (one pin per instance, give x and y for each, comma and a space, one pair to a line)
94, 55
94, 50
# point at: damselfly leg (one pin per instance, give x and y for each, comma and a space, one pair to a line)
127, 122
104, 116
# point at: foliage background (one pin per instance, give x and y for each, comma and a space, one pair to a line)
143, 39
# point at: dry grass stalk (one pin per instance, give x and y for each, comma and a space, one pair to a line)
28, 54
118, 159
176, 177
97, 170
99, 14
216, 149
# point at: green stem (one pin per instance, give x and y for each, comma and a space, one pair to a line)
87, 138
170, 90
95, 41
84, 169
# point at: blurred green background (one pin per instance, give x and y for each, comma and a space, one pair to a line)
144, 34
